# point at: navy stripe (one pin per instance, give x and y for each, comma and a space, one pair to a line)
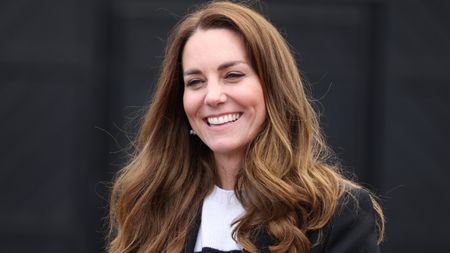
211, 250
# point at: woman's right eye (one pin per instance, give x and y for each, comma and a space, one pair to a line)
194, 82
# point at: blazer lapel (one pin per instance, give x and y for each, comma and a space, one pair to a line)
262, 240
193, 232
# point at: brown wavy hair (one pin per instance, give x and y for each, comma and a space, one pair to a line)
287, 183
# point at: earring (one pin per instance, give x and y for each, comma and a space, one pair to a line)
192, 132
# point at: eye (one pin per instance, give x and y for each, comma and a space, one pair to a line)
194, 83
233, 76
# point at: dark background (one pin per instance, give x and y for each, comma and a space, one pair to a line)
75, 76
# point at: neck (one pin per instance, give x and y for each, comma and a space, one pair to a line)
228, 166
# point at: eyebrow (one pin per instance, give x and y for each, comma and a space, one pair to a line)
221, 67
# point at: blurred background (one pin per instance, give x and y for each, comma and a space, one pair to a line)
75, 76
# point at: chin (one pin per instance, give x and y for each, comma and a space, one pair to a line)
225, 149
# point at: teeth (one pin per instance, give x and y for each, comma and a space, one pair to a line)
223, 119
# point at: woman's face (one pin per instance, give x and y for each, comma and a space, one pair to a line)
223, 97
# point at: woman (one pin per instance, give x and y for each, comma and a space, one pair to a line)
230, 157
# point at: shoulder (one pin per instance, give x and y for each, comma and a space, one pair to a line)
353, 226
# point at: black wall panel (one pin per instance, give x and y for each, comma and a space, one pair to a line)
415, 140
52, 98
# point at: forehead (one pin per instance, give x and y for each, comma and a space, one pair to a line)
213, 46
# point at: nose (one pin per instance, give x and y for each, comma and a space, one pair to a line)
215, 94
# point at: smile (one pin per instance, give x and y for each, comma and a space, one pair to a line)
223, 119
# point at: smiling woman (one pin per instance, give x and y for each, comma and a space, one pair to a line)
256, 174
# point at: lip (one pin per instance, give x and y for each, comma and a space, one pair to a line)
205, 119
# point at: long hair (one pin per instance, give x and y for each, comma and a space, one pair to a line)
288, 184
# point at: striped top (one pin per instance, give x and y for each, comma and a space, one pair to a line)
220, 209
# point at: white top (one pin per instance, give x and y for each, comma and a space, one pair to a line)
220, 209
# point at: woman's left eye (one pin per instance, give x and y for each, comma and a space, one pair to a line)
233, 75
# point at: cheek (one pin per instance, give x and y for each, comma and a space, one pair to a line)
261, 114
255, 96
260, 106
185, 104
190, 104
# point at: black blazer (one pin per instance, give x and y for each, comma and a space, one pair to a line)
352, 229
